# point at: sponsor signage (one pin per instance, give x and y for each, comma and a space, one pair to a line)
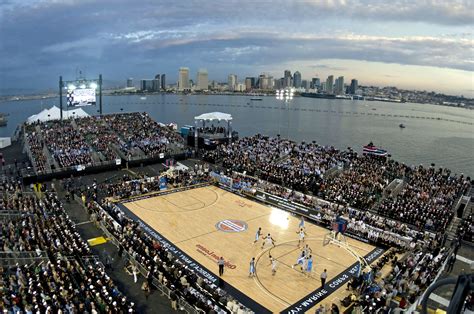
285, 204
306, 303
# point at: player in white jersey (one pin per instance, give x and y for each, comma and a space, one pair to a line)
257, 235
307, 250
268, 240
274, 264
301, 235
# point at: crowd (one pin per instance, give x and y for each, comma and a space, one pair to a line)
407, 280
63, 283
212, 129
348, 178
127, 187
427, 199
73, 143
140, 133
99, 135
38, 159
66, 144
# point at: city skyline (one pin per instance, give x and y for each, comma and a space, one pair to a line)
423, 45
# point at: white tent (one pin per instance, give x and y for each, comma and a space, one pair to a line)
54, 113
214, 116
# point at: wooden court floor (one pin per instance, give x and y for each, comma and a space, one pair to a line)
189, 219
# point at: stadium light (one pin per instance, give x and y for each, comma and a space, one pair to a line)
83, 86
71, 87
93, 85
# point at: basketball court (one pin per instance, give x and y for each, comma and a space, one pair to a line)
208, 222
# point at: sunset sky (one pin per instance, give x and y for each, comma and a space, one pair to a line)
425, 45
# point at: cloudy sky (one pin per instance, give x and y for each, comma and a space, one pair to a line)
422, 44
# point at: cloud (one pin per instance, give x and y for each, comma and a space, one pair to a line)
46, 38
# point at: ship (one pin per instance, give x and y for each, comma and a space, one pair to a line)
3, 119
371, 149
318, 95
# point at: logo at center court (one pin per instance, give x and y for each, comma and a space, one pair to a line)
231, 225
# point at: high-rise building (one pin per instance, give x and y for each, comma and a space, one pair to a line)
287, 79
339, 90
297, 79
354, 86
163, 81
265, 81
147, 85
249, 83
157, 83
183, 79
315, 83
130, 82
232, 82
305, 84
329, 84
202, 80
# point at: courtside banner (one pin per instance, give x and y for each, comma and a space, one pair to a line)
284, 203
306, 303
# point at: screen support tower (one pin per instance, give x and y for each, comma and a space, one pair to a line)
64, 85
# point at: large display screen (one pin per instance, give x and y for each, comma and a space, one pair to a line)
81, 97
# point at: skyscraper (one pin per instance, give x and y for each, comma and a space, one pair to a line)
202, 80
130, 82
287, 79
249, 83
297, 79
354, 86
329, 84
340, 85
183, 79
157, 83
305, 84
163, 81
232, 82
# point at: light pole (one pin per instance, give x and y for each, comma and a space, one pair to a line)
286, 95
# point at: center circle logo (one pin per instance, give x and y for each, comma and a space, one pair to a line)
231, 225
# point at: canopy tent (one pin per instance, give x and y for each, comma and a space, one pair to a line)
214, 116
54, 113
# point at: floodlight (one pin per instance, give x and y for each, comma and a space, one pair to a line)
93, 85
71, 87
83, 86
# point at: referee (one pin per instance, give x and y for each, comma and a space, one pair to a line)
220, 262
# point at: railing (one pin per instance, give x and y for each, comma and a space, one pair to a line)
10, 259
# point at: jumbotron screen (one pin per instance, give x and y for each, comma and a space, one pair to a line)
81, 97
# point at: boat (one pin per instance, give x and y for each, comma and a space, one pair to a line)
318, 95
143, 98
256, 99
371, 149
3, 119
402, 126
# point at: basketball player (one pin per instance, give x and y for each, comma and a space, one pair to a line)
301, 234
309, 266
258, 234
307, 250
300, 260
301, 225
274, 265
268, 240
252, 267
